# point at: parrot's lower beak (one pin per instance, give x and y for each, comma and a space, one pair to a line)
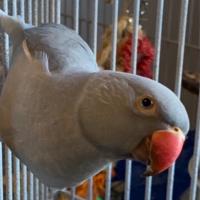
160, 150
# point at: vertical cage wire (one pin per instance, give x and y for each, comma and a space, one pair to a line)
47, 193
14, 8
8, 154
35, 17
94, 26
156, 67
114, 34
88, 24
1, 172
17, 178
31, 186
113, 67
52, 14
94, 48
136, 14
16, 160
127, 187
158, 37
90, 189
5, 42
22, 9
41, 11
181, 46
108, 182
8, 170
46, 11
29, 9
51, 192
58, 11
24, 182
24, 168
76, 15
73, 193
196, 159
179, 71
42, 192
36, 184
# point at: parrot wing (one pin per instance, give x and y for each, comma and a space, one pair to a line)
64, 47
67, 51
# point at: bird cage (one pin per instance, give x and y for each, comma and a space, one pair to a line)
160, 36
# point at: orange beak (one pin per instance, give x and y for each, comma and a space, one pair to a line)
160, 150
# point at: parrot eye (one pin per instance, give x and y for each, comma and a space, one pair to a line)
146, 105
147, 102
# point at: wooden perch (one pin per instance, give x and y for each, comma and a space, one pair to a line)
191, 81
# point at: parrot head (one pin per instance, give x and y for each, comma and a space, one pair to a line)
128, 116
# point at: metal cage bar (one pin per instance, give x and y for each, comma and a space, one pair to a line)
17, 188
156, 67
181, 46
94, 26
29, 9
35, 17
6, 42
114, 34
16, 181
136, 14
46, 192
24, 182
158, 37
14, 8
94, 48
36, 187
42, 191
29, 175
22, 9
76, 15
52, 14
73, 193
108, 182
58, 11
23, 167
113, 67
42, 11
46, 11
179, 71
8, 169
127, 188
31, 186
90, 189
8, 154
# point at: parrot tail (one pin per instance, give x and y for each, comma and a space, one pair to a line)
13, 26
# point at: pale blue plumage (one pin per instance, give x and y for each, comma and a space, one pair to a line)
68, 122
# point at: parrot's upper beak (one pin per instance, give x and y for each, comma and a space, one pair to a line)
160, 150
